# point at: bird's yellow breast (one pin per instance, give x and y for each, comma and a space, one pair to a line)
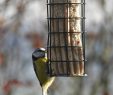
40, 69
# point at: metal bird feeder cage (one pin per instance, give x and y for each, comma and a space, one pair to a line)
66, 37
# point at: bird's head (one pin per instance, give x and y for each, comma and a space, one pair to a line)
39, 53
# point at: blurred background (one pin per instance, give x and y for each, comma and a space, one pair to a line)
23, 27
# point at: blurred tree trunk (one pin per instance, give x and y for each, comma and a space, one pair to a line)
66, 43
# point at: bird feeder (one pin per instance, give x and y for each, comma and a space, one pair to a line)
66, 37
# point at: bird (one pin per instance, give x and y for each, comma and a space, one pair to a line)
40, 62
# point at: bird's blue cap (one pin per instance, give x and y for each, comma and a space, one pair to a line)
38, 53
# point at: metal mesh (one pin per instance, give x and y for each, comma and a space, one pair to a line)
66, 37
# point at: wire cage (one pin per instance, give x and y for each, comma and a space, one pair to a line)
66, 37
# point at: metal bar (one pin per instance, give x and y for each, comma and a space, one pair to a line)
63, 46
68, 69
64, 3
77, 18
50, 40
65, 35
69, 61
58, 70
65, 75
84, 31
65, 32
48, 71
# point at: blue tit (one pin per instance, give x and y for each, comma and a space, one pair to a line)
40, 66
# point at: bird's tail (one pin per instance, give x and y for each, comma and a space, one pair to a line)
47, 85
44, 91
